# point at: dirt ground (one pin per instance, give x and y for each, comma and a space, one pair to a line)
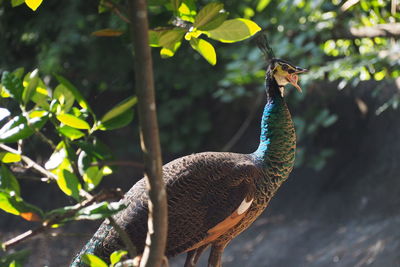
348, 214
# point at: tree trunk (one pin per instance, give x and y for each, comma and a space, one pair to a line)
157, 222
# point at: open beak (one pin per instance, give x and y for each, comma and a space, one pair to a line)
293, 78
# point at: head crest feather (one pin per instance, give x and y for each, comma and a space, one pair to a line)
263, 44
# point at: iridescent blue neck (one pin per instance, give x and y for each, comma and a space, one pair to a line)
268, 123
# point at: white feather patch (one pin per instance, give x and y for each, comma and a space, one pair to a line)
244, 206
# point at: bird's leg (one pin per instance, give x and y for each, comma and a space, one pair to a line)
193, 256
215, 259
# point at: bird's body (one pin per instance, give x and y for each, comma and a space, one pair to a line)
212, 196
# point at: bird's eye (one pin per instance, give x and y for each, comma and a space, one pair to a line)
285, 67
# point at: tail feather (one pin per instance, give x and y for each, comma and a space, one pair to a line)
94, 246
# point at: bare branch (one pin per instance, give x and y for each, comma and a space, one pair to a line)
30, 163
114, 8
381, 30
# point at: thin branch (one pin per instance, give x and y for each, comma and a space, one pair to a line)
56, 219
381, 30
242, 129
114, 8
125, 238
30, 163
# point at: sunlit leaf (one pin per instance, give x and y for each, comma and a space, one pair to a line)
78, 96
99, 211
64, 96
57, 157
17, 128
70, 132
11, 203
107, 33
119, 109
66, 180
187, 10
8, 157
33, 4
118, 122
41, 95
73, 121
234, 30
92, 177
93, 261
4, 113
12, 85
8, 182
262, 4
170, 41
30, 83
207, 14
116, 256
205, 49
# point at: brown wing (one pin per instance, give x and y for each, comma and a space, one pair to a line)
203, 190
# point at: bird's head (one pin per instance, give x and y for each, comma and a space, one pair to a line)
283, 73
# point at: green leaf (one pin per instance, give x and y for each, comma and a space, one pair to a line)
30, 83
12, 85
116, 256
57, 157
187, 10
234, 30
11, 203
207, 14
175, 4
73, 121
154, 37
33, 4
97, 150
8, 182
78, 96
70, 132
171, 41
118, 122
67, 181
8, 157
41, 95
120, 108
93, 261
17, 128
205, 49
64, 96
92, 177
262, 4
19, 72
215, 22
19, 257
15, 3
99, 211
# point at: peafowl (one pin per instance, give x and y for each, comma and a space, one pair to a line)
214, 196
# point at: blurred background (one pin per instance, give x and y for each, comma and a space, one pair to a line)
341, 204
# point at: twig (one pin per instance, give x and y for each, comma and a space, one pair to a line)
246, 123
30, 163
114, 8
125, 238
56, 219
135, 164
